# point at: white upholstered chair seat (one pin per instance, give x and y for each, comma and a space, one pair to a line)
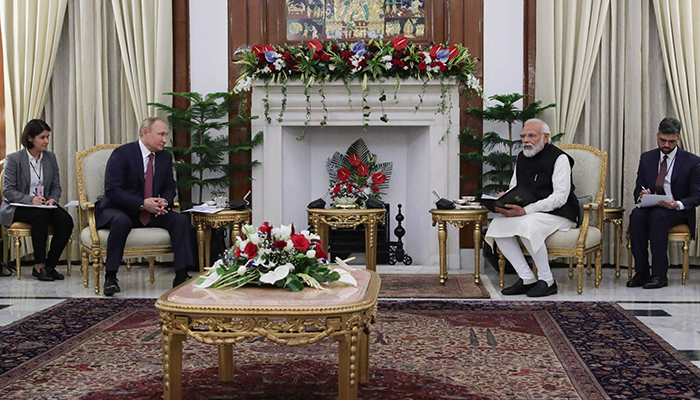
138, 238
569, 239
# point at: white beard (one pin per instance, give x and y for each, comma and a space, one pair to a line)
536, 148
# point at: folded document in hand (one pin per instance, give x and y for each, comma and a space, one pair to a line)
518, 195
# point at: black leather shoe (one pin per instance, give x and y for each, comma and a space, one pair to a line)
639, 279
542, 289
43, 274
111, 286
517, 288
4, 271
180, 278
656, 282
55, 274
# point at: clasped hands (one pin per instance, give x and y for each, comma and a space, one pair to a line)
671, 205
41, 201
511, 210
156, 205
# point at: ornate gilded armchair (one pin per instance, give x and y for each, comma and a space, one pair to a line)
589, 172
142, 242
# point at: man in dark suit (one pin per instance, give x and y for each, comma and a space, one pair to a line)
139, 191
667, 170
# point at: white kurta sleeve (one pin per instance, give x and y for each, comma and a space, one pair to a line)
561, 183
513, 179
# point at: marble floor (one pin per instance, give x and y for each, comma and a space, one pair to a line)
672, 312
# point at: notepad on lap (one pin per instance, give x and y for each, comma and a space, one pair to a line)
518, 195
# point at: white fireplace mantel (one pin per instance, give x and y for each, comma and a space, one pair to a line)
293, 172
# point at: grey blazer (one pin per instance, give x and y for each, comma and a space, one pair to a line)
16, 181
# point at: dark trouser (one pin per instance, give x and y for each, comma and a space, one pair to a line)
40, 219
176, 224
651, 225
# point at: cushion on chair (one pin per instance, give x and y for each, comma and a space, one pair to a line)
569, 239
581, 201
138, 238
680, 229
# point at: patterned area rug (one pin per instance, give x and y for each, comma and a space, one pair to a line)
458, 286
111, 348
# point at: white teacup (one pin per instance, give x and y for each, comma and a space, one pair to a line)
221, 201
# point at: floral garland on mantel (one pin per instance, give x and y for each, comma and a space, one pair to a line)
341, 61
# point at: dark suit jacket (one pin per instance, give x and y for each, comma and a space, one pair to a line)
685, 180
16, 181
124, 182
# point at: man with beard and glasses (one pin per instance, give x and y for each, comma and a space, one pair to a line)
669, 171
545, 172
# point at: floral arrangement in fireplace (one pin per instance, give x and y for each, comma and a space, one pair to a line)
376, 60
357, 176
275, 256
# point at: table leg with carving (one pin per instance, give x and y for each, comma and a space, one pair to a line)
207, 245
348, 365
226, 363
364, 357
200, 245
442, 242
235, 231
371, 245
477, 248
618, 244
172, 359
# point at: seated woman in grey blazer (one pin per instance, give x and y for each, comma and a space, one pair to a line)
31, 177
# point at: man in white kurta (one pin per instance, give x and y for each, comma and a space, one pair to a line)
544, 171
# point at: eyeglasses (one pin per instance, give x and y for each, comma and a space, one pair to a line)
670, 142
528, 135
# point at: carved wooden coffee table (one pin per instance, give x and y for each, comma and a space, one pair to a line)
224, 317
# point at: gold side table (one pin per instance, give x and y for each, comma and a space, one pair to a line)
225, 317
205, 222
459, 218
615, 215
322, 218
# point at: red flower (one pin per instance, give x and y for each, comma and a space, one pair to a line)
346, 54
336, 189
349, 189
343, 174
453, 51
320, 253
434, 50
279, 244
354, 160
301, 243
443, 67
375, 188
378, 178
422, 66
315, 45
362, 169
251, 250
399, 42
325, 57
267, 47
237, 253
257, 50
265, 228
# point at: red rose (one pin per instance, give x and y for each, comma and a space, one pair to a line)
378, 178
399, 42
257, 50
315, 45
251, 250
454, 51
375, 188
354, 160
237, 253
422, 66
316, 56
434, 50
336, 189
433, 64
301, 243
422, 55
349, 189
265, 228
320, 253
279, 244
362, 169
343, 174
325, 57
287, 57
443, 67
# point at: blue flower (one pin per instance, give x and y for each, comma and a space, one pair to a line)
271, 56
359, 48
443, 55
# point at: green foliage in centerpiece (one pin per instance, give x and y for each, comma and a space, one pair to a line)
275, 256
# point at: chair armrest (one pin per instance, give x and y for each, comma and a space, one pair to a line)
176, 206
87, 206
90, 208
593, 206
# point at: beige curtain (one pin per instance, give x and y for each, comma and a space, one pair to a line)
144, 30
627, 99
568, 39
679, 35
30, 36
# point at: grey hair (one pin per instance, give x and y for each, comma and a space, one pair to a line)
147, 124
543, 125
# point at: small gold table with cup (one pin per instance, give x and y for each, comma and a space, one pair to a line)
460, 218
225, 317
615, 215
322, 218
205, 222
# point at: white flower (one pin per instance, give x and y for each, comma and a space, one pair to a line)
280, 272
427, 59
266, 70
243, 85
248, 229
243, 244
310, 236
241, 270
345, 276
254, 238
210, 278
218, 264
331, 67
289, 246
405, 67
388, 65
344, 263
387, 57
284, 232
311, 254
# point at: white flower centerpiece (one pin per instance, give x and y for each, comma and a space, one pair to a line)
275, 256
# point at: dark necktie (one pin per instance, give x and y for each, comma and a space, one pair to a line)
145, 216
661, 177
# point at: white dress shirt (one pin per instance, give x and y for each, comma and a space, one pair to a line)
36, 174
144, 154
670, 162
